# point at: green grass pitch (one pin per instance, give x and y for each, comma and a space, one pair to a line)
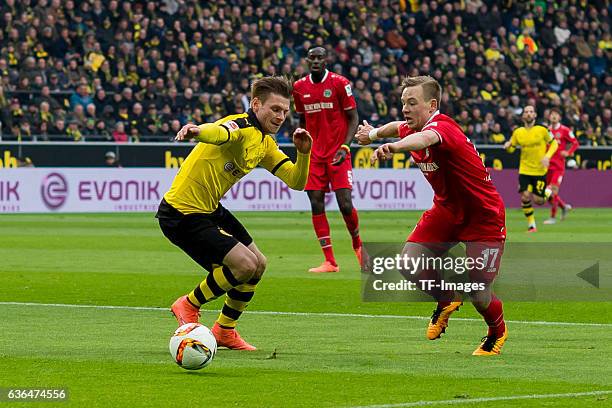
323, 347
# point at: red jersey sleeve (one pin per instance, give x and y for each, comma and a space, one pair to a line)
345, 93
571, 139
449, 133
297, 99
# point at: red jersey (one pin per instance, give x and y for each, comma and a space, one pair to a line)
564, 136
456, 173
323, 105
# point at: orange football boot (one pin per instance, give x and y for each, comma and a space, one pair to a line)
325, 267
230, 338
184, 311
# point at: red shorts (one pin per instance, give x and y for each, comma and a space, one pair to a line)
484, 236
321, 175
554, 177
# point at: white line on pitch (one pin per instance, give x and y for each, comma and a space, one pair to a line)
306, 314
488, 399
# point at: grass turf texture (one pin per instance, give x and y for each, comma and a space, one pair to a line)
119, 357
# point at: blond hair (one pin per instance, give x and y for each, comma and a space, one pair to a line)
431, 87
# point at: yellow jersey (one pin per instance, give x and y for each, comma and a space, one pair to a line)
228, 150
533, 143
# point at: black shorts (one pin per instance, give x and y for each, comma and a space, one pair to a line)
206, 238
533, 184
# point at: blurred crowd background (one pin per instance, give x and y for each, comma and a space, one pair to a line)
131, 71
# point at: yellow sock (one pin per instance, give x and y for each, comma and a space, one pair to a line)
529, 213
236, 301
217, 282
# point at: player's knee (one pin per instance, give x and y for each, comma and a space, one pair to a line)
317, 207
346, 207
317, 201
246, 268
539, 200
262, 262
525, 196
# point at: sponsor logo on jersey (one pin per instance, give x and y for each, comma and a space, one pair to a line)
327, 93
317, 107
349, 91
231, 125
428, 167
231, 168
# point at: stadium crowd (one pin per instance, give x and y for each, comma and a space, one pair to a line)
138, 70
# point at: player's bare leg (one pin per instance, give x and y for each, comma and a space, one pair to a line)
321, 227
351, 219
491, 309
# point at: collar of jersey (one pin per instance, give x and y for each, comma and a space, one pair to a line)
322, 80
253, 120
436, 113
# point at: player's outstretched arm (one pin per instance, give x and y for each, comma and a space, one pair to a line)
295, 174
573, 141
210, 133
367, 134
416, 141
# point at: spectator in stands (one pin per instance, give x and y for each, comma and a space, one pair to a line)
110, 160
119, 134
177, 54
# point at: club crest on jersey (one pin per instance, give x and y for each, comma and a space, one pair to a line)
327, 93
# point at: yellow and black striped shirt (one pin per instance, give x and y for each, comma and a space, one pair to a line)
228, 150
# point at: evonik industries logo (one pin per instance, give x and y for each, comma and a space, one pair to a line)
54, 190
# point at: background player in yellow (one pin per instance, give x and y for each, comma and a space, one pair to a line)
537, 147
191, 216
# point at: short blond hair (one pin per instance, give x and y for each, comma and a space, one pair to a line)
431, 87
263, 87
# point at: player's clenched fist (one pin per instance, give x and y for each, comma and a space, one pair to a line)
302, 140
189, 131
363, 133
384, 152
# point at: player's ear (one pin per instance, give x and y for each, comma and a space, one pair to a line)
433, 105
255, 104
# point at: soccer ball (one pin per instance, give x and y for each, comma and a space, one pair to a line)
193, 346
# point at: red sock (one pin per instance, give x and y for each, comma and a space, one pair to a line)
352, 225
560, 201
321, 227
555, 204
494, 316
